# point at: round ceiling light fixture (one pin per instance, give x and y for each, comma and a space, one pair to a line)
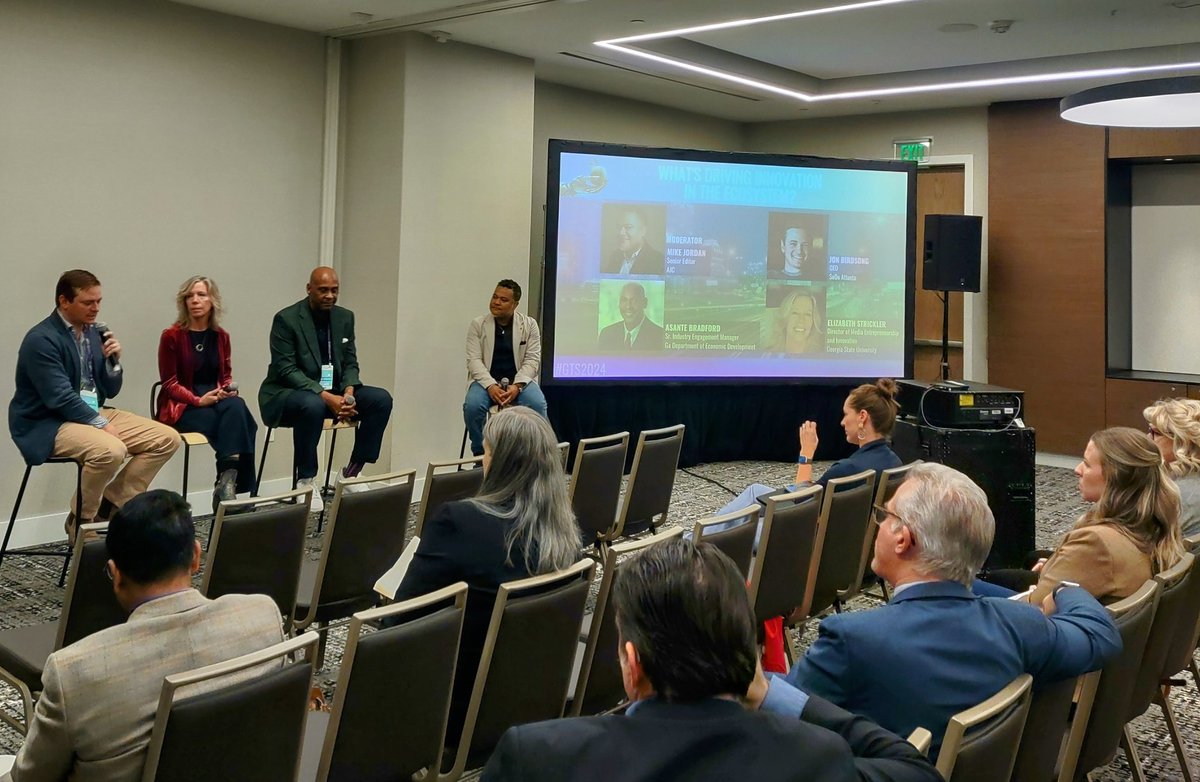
1152, 103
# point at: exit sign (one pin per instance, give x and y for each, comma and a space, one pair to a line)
916, 149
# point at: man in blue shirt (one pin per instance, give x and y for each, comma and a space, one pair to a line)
68, 368
936, 648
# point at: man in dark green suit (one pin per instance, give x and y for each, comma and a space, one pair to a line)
314, 375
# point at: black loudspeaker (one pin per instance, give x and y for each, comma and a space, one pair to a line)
951, 257
1001, 462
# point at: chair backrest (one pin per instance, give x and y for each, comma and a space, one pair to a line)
599, 686
519, 681
981, 743
254, 705
89, 603
890, 480
847, 512
1050, 717
1085, 698
363, 537
651, 478
259, 552
1169, 622
1133, 617
393, 690
564, 450
154, 389
785, 570
1178, 652
596, 483
446, 482
733, 533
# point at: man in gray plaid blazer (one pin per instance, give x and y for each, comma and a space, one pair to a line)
99, 696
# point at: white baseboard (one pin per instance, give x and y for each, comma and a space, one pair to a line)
1056, 460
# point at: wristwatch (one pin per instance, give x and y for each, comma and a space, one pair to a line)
1063, 585
802, 459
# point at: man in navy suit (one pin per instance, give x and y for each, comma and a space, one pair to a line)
936, 648
688, 658
67, 370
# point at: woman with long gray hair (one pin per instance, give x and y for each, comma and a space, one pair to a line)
519, 524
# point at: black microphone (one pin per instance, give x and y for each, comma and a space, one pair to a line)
230, 387
348, 400
504, 383
114, 365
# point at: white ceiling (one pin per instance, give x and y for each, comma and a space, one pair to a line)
886, 45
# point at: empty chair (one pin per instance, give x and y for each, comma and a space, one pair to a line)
365, 535
89, 605
393, 693
784, 572
518, 681
596, 484
981, 742
847, 511
598, 686
564, 449
446, 482
1174, 624
256, 707
733, 533
258, 552
1133, 617
1054, 729
651, 480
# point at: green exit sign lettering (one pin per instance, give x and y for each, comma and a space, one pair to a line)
916, 149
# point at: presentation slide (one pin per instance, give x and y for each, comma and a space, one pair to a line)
673, 265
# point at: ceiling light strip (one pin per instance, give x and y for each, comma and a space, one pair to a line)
1094, 73
705, 28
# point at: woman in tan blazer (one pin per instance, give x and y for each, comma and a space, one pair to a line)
1131, 531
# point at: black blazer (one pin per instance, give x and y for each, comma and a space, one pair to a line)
462, 543
648, 261
713, 740
612, 337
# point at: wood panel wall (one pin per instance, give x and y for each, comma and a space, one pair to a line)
1046, 269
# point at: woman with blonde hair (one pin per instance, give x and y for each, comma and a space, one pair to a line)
799, 326
1130, 533
1175, 429
198, 395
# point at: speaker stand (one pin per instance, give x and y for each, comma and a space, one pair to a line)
945, 335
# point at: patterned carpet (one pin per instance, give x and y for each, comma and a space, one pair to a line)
29, 594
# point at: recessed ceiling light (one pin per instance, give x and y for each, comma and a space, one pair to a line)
958, 27
1168, 159
637, 21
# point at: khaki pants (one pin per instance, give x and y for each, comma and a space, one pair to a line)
147, 443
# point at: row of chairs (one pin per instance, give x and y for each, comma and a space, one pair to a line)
1067, 729
814, 548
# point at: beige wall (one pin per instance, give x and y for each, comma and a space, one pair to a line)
149, 142
566, 113
439, 144
956, 133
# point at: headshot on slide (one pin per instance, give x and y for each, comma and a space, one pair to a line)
795, 322
798, 246
632, 238
637, 305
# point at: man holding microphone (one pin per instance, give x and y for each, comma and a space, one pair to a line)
68, 367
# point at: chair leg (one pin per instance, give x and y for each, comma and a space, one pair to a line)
462, 449
789, 646
1164, 701
328, 472
1195, 672
12, 520
322, 642
262, 461
62, 576
1131, 755
187, 457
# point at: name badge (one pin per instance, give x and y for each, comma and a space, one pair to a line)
90, 399
327, 377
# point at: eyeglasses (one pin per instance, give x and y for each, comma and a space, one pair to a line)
1154, 432
881, 514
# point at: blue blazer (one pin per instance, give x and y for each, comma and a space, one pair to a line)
937, 649
47, 387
